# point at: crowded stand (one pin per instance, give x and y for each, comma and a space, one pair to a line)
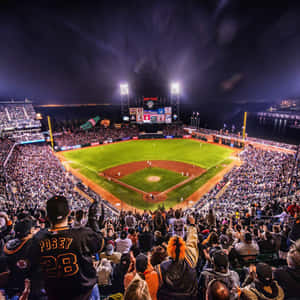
262, 176
240, 241
101, 134
5, 146
34, 174
173, 130
61, 240
27, 136
273, 143
227, 133
17, 115
98, 134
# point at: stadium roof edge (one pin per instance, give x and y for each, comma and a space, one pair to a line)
74, 105
26, 101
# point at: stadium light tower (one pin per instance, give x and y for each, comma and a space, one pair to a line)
124, 89
175, 99
175, 88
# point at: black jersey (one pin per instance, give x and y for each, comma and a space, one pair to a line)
17, 254
65, 255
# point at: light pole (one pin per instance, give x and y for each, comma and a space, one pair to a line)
124, 91
175, 97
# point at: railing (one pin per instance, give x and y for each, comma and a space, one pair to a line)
9, 155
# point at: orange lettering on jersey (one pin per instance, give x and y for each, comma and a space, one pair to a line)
68, 243
61, 243
42, 245
54, 243
47, 245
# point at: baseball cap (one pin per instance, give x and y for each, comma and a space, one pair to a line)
141, 263
205, 231
220, 259
57, 208
109, 249
264, 272
22, 228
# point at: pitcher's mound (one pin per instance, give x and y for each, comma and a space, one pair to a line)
153, 178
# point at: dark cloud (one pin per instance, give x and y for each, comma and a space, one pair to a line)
55, 51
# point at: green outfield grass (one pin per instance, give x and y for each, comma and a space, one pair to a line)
90, 161
167, 179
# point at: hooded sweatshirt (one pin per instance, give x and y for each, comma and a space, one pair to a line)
230, 279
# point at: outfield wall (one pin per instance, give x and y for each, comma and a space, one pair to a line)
201, 137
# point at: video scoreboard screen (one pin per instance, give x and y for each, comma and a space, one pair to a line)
155, 116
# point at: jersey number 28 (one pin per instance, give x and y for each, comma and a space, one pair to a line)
64, 265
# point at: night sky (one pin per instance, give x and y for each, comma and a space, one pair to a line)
219, 50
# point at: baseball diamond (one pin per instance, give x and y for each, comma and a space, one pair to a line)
182, 166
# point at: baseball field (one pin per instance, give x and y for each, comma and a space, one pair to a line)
148, 173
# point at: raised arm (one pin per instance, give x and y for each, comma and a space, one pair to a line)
191, 252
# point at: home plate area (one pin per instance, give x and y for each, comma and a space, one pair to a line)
153, 187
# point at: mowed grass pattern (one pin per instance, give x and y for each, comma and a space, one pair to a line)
91, 161
185, 150
167, 179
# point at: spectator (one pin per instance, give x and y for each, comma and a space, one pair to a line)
220, 271
293, 209
178, 274
158, 238
263, 287
267, 244
284, 248
110, 254
104, 272
65, 254
79, 221
5, 228
145, 270
17, 253
177, 224
130, 220
247, 248
217, 290
123, 244
158, 255
211, 218
119, 273
133, 236
146, 239
137, 290
160, 224
210, 245
288, 277
295, 230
